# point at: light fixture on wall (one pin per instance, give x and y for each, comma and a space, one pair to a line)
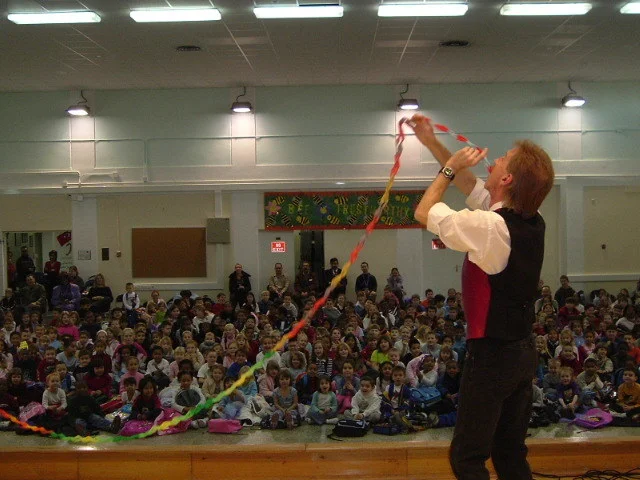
572, 99
241, 107
407, 103
80, 109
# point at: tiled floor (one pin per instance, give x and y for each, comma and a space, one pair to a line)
305, 434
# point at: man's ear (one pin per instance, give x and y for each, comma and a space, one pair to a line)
507, 179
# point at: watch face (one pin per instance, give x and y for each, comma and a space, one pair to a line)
447, 172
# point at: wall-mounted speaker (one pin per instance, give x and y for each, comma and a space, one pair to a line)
218, 230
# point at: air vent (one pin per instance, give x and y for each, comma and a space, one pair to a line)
188, 48
454, 43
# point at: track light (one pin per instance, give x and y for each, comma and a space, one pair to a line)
80, 109
407, 103
241, 107
573, 100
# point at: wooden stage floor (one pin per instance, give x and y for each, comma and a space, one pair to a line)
305, 453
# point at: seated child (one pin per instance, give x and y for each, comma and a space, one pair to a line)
47, 365
421, 371
213, 382
449, 387
146, 405
67, 381
54, 400
240, 361
189, 397
68, 355
158, 368
83, 368
8, 402
395, 399
590, 383
130, 392
132, 372
267, 381
307, 384
346, 386
628, 395
174, 368
324, 404
365, 404
568, 393
551, 380
231, 405
205, 370
285, 402
98, 381
85, 413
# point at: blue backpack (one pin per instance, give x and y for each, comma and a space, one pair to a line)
423, 397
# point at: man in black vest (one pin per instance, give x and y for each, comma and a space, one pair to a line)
503, 236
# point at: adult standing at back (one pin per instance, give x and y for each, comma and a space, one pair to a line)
24, 266
565, 291
366, 282
239, 286
278, 283
504, 240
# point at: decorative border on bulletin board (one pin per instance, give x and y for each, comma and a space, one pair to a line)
338, 210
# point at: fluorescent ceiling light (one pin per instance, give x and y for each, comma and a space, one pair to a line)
631, 7
442, 9
311, 11
175, 15
53, 17
545, 8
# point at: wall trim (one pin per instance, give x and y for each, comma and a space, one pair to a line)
603, 277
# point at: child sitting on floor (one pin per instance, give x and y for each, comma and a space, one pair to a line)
324, 404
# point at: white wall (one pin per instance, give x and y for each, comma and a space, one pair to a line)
166, 141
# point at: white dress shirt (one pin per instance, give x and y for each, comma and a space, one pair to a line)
482, 232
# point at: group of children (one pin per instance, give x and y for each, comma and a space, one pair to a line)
361, 361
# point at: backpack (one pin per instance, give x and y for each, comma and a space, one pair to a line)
350, 428
387, 429
423, 397
220, 425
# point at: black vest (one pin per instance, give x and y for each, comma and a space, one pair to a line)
514, 290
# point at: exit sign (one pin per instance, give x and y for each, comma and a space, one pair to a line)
278, 247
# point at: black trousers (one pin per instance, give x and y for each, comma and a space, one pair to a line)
494, 409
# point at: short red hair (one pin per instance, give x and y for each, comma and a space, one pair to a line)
532, 172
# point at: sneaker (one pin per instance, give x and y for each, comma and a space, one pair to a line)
80, 430
274, 421
309, 421
289, 420
332, 421
202, 422
116, 424
432, 420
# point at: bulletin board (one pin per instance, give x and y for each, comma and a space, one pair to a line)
168, 252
